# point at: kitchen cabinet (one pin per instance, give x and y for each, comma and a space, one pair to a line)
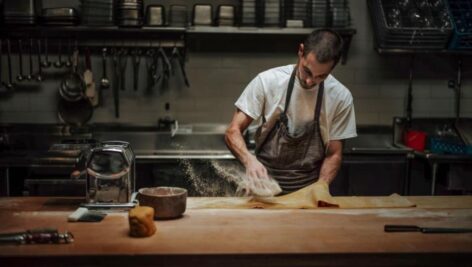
381, 177
372, 175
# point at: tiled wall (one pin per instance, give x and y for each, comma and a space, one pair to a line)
378, 83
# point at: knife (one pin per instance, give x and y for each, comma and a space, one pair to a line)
37, 236
426, 230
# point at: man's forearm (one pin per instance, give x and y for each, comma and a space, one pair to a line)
236, 144
331, 163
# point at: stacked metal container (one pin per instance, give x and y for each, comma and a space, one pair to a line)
178, 16
272, 13
319, 14
225, 15
97, 12
297, 13
21, 12
248, 13
130, 13
155, 15
340, 13
202, 15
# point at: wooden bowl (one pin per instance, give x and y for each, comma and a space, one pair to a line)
168, 202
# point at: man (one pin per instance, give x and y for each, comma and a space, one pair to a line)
305, 114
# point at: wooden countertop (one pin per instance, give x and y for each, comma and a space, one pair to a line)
215, 237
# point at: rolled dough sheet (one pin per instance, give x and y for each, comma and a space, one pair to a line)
310, 197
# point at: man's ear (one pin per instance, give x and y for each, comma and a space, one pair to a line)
300, 50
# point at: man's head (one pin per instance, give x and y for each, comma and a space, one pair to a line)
318, 56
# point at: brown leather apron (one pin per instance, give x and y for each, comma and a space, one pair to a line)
294, 162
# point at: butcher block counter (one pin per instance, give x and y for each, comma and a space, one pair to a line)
245, 237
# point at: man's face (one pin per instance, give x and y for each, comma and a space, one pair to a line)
310, 72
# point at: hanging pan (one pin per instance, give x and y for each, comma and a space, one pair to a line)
76, 113
73, 106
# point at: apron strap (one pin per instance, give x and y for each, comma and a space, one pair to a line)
283, 116
319, 100
290, 89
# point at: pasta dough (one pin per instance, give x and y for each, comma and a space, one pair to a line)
311, 197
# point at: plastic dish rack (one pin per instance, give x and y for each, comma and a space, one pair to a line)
441, 145
461, 14
405, 36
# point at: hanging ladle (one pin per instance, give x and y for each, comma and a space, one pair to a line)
59, 63
46, 63
68, 63
30, 74
20, 77
104, 82
10, 84
136, 62
39, 76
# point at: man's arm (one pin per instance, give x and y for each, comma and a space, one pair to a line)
332, 161
235, 142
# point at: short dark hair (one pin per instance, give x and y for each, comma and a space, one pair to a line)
326, 44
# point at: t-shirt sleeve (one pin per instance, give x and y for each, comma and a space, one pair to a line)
251, 100
344, 121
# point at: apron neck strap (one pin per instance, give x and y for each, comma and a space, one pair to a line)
290, 89
319, 100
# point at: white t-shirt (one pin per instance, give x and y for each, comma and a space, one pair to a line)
265, 96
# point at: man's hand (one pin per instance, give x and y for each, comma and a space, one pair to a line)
257, 181
255, 169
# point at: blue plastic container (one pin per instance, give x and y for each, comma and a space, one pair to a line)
441, 145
